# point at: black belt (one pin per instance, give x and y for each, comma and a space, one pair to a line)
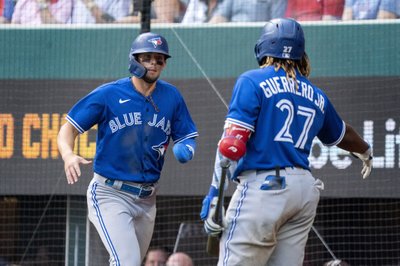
140, 190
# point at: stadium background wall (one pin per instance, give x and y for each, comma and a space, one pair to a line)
43, 71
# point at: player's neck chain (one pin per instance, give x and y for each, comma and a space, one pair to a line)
150, 99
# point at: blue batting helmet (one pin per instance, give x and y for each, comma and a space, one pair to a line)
280, 38
146, 43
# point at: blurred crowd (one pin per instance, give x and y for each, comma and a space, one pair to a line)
192, 11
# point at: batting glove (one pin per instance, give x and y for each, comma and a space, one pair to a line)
211, 227
205, 209
366, 158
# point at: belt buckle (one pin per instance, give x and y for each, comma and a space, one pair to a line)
140, 192
144, 189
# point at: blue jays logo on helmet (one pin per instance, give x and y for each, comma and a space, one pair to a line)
155, 41
150, 42
280, 38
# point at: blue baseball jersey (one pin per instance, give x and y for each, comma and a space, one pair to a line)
133, 130
283, 119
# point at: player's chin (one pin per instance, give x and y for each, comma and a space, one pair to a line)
152, 76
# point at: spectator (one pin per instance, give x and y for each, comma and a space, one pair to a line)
168, 11
2, 19
8, 11
199, 11
371, 9
308, 10
179, 259
42, 11
248, 11
157, 256
162, 11
99, 11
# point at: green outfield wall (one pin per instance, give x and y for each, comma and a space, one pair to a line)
66, 52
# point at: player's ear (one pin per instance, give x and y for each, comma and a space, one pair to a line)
164, 65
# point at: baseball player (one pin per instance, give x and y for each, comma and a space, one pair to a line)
274, 115
136, 117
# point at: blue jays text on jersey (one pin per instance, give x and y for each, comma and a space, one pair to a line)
284, 118
135, 118
133, 130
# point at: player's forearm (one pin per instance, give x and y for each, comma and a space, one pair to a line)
347, 14
383, 14
352, 141
217, 19
66, 139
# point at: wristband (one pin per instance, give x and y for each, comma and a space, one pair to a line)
184, 150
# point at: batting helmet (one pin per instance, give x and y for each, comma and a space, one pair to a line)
280, 38
146, 43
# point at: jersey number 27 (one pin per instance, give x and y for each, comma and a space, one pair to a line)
284, 133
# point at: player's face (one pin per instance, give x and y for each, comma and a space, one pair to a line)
154, 63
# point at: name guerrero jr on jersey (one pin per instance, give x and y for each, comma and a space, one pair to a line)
281, 84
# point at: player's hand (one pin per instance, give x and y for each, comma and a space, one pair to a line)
211, 227
72, 168
207, 213
366, 158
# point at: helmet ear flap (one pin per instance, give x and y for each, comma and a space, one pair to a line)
258, 50
135, 68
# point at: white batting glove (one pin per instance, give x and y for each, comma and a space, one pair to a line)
366, 158
211, 227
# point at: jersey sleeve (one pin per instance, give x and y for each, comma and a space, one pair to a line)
87, 112
333, 128
183, 126
245, 104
